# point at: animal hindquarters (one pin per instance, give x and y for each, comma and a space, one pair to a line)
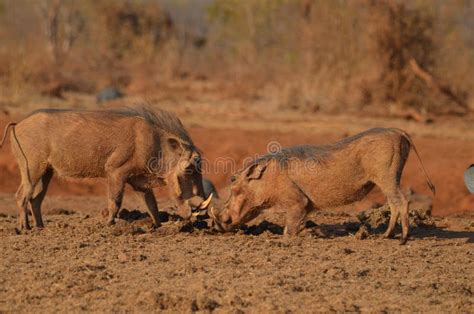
32, 169
387, 174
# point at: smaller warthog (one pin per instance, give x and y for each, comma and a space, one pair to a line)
303, 178
138, 147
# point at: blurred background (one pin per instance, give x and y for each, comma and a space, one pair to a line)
381, 57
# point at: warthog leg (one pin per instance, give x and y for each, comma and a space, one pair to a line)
394, 213
398, 206
149, 199
30, 180
40, 192
116, 186
394, 203
22, 202
404, 220
296, 214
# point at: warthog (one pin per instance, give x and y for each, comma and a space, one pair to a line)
303, 178
126, 146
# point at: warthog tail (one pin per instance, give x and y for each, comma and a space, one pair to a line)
408, 138
11, 124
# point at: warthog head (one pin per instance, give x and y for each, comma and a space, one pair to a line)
182, 164
177, 163
248, 198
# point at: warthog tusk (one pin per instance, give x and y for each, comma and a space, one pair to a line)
201, 212
206, 202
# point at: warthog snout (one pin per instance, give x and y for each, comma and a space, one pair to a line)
194, 206
200, 207
222, 221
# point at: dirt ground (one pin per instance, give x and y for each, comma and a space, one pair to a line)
77, 263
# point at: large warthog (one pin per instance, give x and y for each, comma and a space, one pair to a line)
138, 147
300, 179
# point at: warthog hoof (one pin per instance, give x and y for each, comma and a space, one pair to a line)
403, 241
111, 222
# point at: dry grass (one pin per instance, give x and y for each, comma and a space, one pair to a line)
309, 55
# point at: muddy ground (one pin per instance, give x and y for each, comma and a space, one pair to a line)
78, 264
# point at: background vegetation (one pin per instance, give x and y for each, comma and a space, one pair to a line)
329, 56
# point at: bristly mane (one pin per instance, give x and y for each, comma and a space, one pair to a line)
159, 118
316, 153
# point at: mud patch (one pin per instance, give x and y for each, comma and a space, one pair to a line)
76, 264
376, 219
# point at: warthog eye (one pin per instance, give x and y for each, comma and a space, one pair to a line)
232, 179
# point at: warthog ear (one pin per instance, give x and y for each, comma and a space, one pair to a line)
255, 172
